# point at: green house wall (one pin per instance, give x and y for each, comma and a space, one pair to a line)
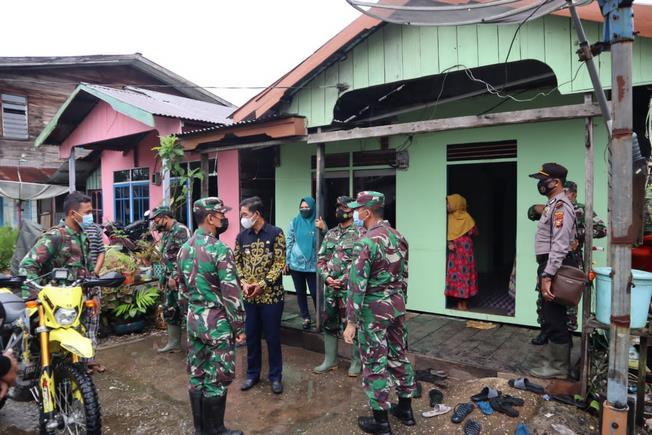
395, 52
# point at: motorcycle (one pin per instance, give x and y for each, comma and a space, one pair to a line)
47, 339
129, 235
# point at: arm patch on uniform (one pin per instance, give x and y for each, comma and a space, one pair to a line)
559, 218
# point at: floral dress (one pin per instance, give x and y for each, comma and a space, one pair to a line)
461, 275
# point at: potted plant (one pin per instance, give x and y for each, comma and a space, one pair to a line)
116, 261
130, 313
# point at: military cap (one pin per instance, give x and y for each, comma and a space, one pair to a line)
211, 203
369, 199
551, 170
344, 200
571, 186
163, 210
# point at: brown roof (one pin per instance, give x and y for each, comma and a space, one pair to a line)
268, 98
27, 174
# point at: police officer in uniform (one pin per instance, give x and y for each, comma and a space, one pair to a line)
553, 247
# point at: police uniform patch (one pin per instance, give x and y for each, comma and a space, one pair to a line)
559, 218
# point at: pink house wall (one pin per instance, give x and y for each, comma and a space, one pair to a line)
228, 188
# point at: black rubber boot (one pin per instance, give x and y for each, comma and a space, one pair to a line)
213, 409
404, 411
378, 424
196, 407
540, 339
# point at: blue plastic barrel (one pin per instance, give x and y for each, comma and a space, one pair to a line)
640, 296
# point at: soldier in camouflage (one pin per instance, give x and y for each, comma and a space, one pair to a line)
174, 234
333, 262
209, 284
375, 310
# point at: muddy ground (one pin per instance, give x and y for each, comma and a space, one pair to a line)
143, 392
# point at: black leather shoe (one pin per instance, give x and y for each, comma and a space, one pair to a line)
248, 384
277, 387
403, 411
540, 339
378, 424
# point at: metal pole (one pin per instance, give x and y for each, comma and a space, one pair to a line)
72, 182
620, 205
319, 193
589, 157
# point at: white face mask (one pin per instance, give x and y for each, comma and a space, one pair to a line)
247, 222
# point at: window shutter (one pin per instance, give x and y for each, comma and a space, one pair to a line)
14, 117
481, 151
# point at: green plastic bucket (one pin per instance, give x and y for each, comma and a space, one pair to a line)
640, 296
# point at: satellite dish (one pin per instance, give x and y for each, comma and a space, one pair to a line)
460, 12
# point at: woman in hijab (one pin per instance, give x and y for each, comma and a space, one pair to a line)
461, 276
302, 256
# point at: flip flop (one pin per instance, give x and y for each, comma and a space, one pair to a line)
430, 375
485, 407
461, 411
419, 391
503, 407
486, 394
472, 427
439, 409
525, 385
569, 400
436, 397
514, 401
521, 429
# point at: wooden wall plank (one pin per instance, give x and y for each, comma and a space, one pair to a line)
636, 61
583, 80
558, 49
376, 59
345, 70
532, 41
467, 46
429, 50
646, 59
488, 44
507, 34
331, 78
317, 100
411, 53
393, 52
447, 47
361, 65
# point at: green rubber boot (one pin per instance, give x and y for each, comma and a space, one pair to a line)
330, 355
555, 362
356, 366
174, 339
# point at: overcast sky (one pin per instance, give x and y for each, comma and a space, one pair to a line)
214, 43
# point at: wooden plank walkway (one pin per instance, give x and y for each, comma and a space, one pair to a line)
505, 348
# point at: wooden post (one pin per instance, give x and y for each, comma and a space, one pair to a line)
320, 200
205, 167
72, 182
589, 157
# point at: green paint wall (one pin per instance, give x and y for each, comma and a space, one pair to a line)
395, 52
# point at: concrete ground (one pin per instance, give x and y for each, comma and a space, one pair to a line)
143, 392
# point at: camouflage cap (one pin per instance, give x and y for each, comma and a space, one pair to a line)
369, 199
211, 203
162, 210
344, 200
570, 186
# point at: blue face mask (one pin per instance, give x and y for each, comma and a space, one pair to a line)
356, 219
87, 221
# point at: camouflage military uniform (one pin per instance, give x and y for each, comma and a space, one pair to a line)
376, 304
334, 260
170, 244
60, 247
215, 315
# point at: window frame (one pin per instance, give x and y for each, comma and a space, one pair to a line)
131, 200
2, 117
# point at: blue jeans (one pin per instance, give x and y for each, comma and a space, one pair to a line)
300, 279
264, 318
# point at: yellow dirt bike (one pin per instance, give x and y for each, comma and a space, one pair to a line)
47, 337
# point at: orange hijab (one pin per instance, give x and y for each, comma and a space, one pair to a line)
459, 221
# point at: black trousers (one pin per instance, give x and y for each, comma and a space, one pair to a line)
554, 315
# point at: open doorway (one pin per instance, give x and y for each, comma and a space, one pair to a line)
490, 191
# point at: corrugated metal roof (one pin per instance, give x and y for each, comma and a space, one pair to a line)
27, 174
264, 119
158, 103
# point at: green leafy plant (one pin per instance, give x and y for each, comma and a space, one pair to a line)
171, 153
8, 236
143, 299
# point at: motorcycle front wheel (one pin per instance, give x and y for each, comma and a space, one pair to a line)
77, 407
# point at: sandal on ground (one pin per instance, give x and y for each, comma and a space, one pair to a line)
430, 375
439, 409
514, 401
525, 385
486, 394
436, 397
461, 411
472, 427
504, 407
569, 400
419, 391
306, 324
485, 407
521, 429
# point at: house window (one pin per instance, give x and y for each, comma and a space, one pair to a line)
14, 116
130, 194
183, 209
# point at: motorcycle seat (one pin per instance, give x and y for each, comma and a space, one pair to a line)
13, 306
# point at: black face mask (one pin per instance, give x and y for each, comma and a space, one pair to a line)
305, 213
342, 216
223, 228
544, 187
